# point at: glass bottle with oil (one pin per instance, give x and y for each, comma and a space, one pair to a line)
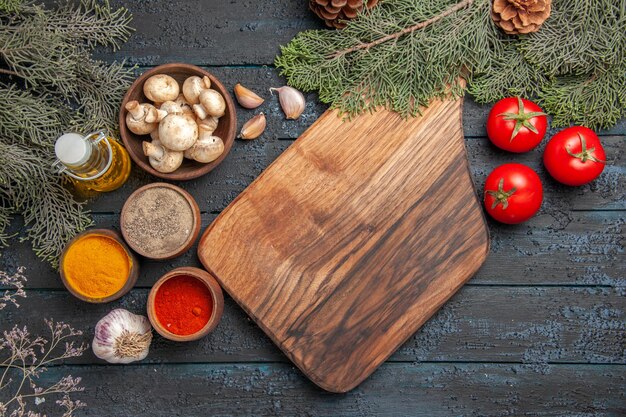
95, 162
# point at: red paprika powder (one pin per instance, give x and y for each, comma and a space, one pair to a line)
183, 305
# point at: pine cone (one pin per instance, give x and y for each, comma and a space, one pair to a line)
520, 16
334, 11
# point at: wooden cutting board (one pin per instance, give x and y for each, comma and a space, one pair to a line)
352, 239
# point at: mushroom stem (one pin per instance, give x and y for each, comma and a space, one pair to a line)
135, 109
162, 159
155, 115
153, 151
200, 111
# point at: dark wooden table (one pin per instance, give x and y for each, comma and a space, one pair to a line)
540, 330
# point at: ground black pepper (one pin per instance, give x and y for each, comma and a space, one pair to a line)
158, 221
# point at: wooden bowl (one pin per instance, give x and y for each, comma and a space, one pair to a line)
195, 228
216, 294
226, 129
132, 276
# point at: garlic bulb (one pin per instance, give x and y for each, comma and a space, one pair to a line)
122, 337
291, 100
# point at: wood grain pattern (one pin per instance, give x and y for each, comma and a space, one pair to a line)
396, 390
352, 239
534, 326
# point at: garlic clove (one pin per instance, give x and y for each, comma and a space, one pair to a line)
213, 102
247, 98
291, 100
253, 128
122, 337
160, 88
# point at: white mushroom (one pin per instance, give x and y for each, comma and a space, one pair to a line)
183, 104
162, 159
139, 118
213, 102
208, 125
178, 132
171, 107
193, 86
160, 88
155, 115
200, 111
208, 147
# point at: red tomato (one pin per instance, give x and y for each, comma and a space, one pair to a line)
574, 156
513, 193
516, 124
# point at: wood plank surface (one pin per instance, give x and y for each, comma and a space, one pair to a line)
534, 326
398, 390
555, 248
234, 32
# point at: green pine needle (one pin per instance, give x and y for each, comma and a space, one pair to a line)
48, 51
574, 66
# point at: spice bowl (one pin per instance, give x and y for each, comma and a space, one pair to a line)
88, 273
182, 300
160, 221
190, 169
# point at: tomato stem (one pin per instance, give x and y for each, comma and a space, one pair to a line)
584, 154
522, 118
500, 196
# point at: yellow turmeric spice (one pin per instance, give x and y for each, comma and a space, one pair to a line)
96, 266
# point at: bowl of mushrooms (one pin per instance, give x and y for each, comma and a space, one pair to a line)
177, 121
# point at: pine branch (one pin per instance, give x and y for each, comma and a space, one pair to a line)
65, 90
92, 22
403, 53
28, 182
5, 221
597, 100
410, 29
10, 6
31, 119
8, 72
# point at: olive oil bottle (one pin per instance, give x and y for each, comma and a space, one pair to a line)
95, 162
